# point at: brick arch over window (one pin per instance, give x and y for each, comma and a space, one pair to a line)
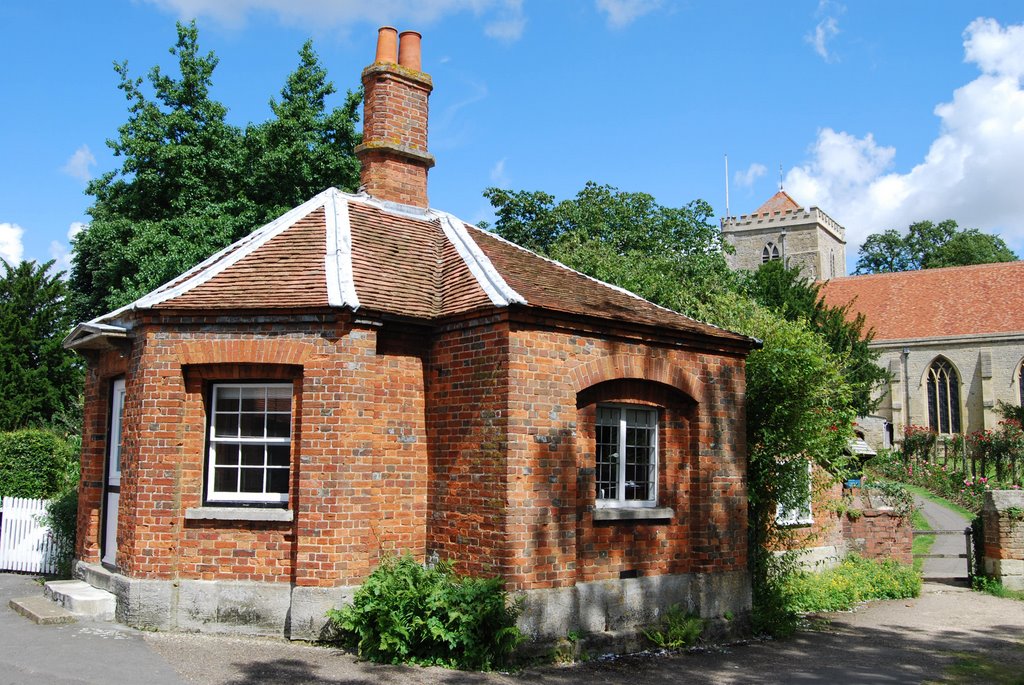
621, 367
245, 352
942, 393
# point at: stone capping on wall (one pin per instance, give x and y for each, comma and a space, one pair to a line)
239, 514
633, 514
1003, 557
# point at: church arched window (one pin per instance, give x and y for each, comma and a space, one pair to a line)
832, 265
769, 253
943, 397
1020, 383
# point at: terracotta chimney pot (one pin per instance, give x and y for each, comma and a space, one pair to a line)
409, 55
387, 44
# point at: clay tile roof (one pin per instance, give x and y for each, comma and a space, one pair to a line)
779, 202
341, 250
934, 303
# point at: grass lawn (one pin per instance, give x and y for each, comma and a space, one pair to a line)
922, 543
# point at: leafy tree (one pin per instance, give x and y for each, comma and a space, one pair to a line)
786, 292
928, 245
39, 379
623, 238
190, 183
306, 147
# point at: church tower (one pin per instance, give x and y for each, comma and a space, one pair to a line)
782, 229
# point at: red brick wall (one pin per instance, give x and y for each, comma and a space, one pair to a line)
877, 534
358, 454
474, 441
467, 418
551, 494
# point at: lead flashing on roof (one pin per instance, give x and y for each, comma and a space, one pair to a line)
500, 292
341, 286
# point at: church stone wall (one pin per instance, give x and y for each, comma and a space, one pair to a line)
989, 370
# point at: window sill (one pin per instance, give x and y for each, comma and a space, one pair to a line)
633, 514
238, 514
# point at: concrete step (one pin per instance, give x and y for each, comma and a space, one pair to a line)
42, 610
82, 599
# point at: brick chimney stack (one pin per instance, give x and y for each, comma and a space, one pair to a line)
394, 148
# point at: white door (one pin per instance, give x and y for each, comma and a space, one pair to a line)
113, 489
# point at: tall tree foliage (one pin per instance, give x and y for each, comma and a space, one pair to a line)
190, 183
39, 379
786, 292
290, 157
928, 245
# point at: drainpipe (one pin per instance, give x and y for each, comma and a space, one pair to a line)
906, 388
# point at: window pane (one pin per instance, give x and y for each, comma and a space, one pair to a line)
252, 455
279, 399
252, 480
254, 399
226, 425
278, 455
225, 480
227, 455
279, 425
607, 471
277, 480
252, 426
227, 399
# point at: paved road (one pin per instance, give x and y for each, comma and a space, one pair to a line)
942, 518
78, 653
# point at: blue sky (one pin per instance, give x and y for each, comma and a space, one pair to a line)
881, 113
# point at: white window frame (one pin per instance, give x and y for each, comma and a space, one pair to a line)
216, 497
620, 501
802, 515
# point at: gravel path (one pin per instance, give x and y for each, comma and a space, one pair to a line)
943, 518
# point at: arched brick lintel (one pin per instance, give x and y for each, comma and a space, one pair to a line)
245, 352
623, 367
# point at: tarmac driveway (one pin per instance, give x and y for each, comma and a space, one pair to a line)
906, 641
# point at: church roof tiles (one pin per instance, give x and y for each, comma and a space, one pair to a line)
935, 303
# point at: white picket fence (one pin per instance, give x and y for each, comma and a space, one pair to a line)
25, 543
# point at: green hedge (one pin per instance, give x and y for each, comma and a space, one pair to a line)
37, 463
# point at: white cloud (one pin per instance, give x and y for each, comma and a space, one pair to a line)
61, 252
622, 13
745, 179
826, 29
79, 163
498, 176
11, 248
971, 172
343, 14
509, 24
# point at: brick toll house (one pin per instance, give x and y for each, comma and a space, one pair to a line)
368, 376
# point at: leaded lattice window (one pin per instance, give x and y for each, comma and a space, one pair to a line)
627, 456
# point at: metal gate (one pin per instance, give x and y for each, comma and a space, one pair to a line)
968, 555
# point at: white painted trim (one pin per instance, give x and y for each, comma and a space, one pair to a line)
500, 292
341, 286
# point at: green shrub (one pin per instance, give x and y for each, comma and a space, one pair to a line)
405, 613
62, 520
677, 630
37, 463
853, 580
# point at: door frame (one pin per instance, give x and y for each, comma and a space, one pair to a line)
112, 474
